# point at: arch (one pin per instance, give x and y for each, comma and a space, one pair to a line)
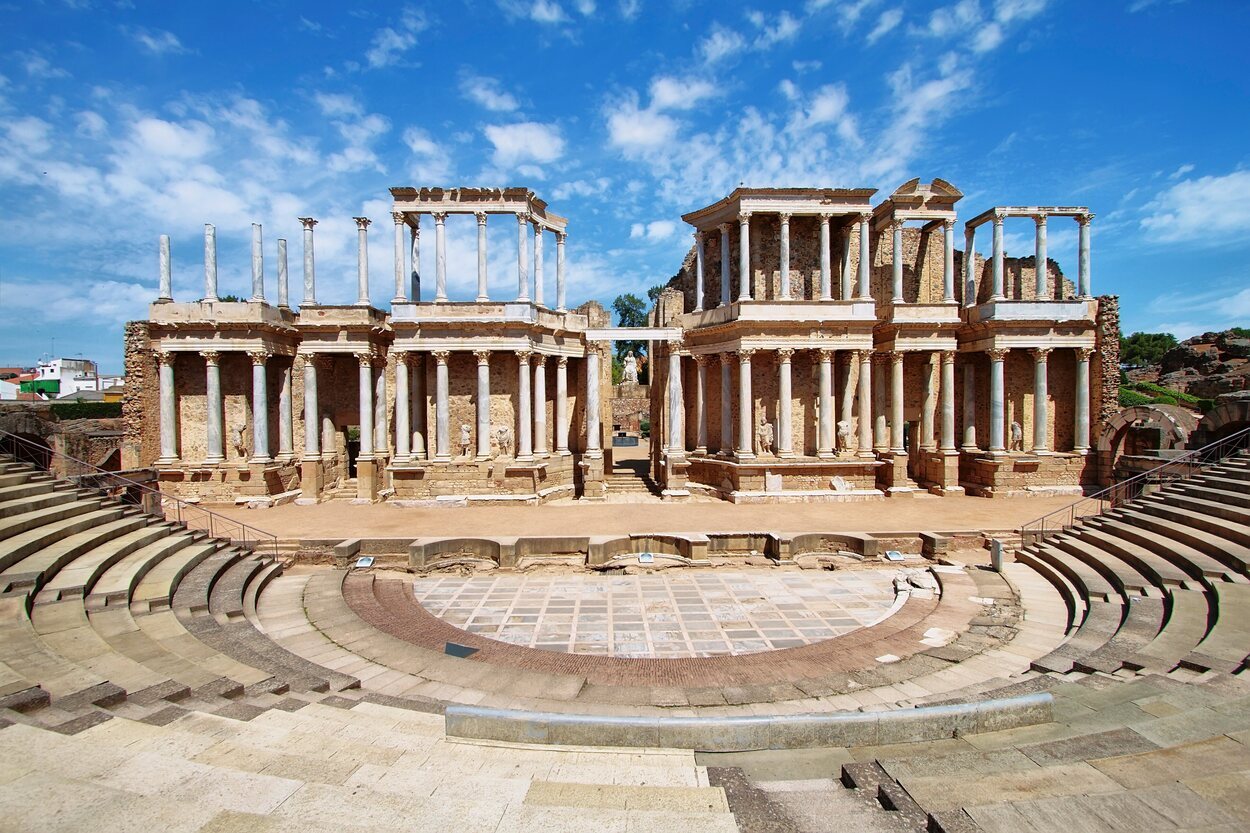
1177, 422
1231, 413
27, 448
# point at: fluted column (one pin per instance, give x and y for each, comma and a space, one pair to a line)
996, 288
744, 256
698, 271
726, 404
214, 451
783, 262
1081, 438
724, 263
998, 356
483, 293
415, 273
561, 303
562, 404
419, 411
1040, 262
483, 403
283, 288
524, 443
676, 409
403, 408
169, 408
785, 431
970, 266
928, 404
825, 428
210, 261
845, 289
166, 293
258, 265
970, 404
362, 260
365, 378
826, 261
312, 410
1082, 264
286, 417
593, 447
865, 403
1041, 407
522, 256
260, 408
401, 278
865, 258
440, 256
947, 442
896, 258
310, 269
442, 417
948, 261
538, 263
881, 421
700, 403
896, 401
746, 405
540, 405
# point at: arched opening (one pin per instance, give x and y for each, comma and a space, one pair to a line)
27, 448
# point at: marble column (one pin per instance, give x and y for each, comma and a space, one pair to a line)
562, 404
258, 266
1082, 264
865, 403
783, 261
593, 446
169, 408
482, 402
970, 266
947, 442
1080, 442
1040, 259
700, 403
785, 429
676, 409
1041, 407
998, 357
284, 301
896, 260
948, 261
440, 256
214, 450
522, 256
825, 426
865, 258
419, 410
310, 269
561, 303
996, 288
210, 262
525, 416
166, 293
381, 428
881, 423
928, 403
415, 274
403, 408
744, 256
724, 263
365, 377
362, 260
726, 405
483, 293
401, 279
540, 406
286, 417
698, 271
538, 263
826, 260
850, 386
846, 290
312, 411
746, 406
442, 416
970, 404
896, 401
260, 408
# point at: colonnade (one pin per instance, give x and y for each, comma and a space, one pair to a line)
948, 260
1042, 286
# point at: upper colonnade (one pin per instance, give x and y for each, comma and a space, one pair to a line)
1039, 214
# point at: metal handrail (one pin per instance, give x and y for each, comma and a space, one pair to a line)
1178, 468
187, 515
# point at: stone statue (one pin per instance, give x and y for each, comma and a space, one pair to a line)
466, 440
764, 438
503, 436
631, 368
844, 435
1017, 437
240, 441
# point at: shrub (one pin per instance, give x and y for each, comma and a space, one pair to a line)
86, 410
1129, 398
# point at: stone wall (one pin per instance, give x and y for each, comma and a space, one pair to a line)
141, 437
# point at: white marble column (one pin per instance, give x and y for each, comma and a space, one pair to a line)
365, 404
561, 302
562, 405
783, 261
1040, 259
849, 387
785, 428
970, 404
525, 416
1041, 407
724, 263
744, 256
865, 258
210, 262
996, 288
483, 293
746, 406
166, 292
362, 260
310, 269
865, 403
442, 416
593, 447
825, 427
1080, 443
1082, 265
698, 271
970, 266
947, 442
846, 289
948, 261
998, 357
522, 256
286, 417
482, 402
700, 403
538, 263
403, 408
896, 401
401, 246
258, 266
676, 408
260, 407
726, 404
826, 260
928, 403
896, 260
381, 427
881, 421
214, 451
169, 408
415, 273
419, 410
540, 405
440, 256
312, 411
284, 301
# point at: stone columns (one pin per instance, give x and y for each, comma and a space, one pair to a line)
896, 401
928, 405
483, 404
865, 403
896, 258
365, 358
401, 280
845, 289
442, 417
947, 443
698, 271
726, 404
1080, 442
440, 256
593, 448
746, 406
538, 263
880, 423
381, 433
970, 266
562, 404
948, 261
210, 262
522, 256
362, 260
784, 258
416, 258
1082, 270
785, 431
700, 403
540, 405
286, 418
826, 268
997, 356
865, 259
168, 407
310, 270
724, 263
1041, 407
420, 429
283, 289
970, 405
483, 293
848, 391
260, 408
825, 428
258, 266
403, 408
1040, 263
166, 292
561, 304
524, 437
744, 256
215, 438
312, 411
676, 410
996, 288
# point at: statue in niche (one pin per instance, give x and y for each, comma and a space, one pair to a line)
764, 438
631, 368
1017, 437
503, 438
466, 439
844, 435
240, 441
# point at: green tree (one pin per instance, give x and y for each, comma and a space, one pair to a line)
1141, 349
1240, 332
631, 311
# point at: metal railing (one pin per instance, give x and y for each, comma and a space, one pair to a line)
125, 490
1178, 468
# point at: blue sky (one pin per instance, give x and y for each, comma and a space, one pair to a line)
120, 121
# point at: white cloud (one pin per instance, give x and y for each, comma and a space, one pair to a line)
1189, 313
525, 142
391, 42
654, 231
783, 29
636, 131
581, 188
337, 105
37, 66
487, 93
1181, 171
949, 21
669, 93
720, 44
430, 163
1208, 211
539, 11
630, 8
157, 41
91, 124
889, 19
584, 7
161, 138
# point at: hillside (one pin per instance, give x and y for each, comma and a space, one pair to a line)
1193, 372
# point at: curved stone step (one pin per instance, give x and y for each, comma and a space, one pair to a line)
64, 628
1185, 627
117, 627
28, 543
157, 586
69, 685
1233, 556
71, 578
58, 548
32, 496
17, 524
1184, 557
163, 627
116, 583
1218, 489
1088, 581
1125, 578
1227, 643
1221, 519
1156, 569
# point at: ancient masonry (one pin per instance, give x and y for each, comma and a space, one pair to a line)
812, 347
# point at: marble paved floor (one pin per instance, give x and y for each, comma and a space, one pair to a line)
692, 614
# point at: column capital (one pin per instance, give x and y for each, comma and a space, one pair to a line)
698, 235
744, 218
522, 218
211, 356
726, 358
441, 356
562, 361
895, 356
673, 345
725, 227
864, 216
896, 223
540, 360
785, 354
700, 359
440, 217
398, 217
784, 216
997, 354
1040, 219
947, 356
483, 357
825, 354
1040, 353
481, 217
259, 357
537, 224
364, 357
745, 354
998, 218
596, 347
561, 236
948, 224
165, 357
362, 222
523, 356
1084, 219
321, 361
1083, 353
825, 216
308, 222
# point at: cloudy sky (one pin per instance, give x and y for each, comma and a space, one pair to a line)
120, 121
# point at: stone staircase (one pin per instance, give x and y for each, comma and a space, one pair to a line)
632, 477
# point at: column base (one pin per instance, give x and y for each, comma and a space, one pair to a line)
259, 461
215, 460
826, 454
399, 299
366, 480
166, 461
310, 480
